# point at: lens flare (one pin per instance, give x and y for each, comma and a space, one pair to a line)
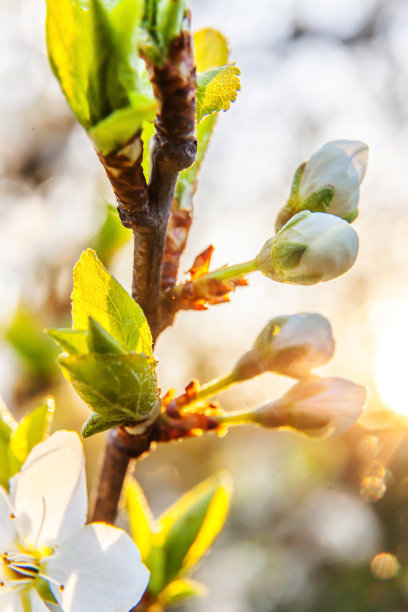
390, 362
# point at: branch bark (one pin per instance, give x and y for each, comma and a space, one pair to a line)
146, 210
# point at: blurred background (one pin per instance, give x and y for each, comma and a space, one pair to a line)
315, 525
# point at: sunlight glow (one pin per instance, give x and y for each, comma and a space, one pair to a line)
390, 361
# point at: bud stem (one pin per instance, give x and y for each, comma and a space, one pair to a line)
230, 272
213, 387
235, 418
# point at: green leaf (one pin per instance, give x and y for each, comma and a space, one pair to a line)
99, 341
32, 429
36, 351
170, 18
97, 424
140, 517
216, 89
7, 426
111, 236
116, 129
72, 341
147, 134
97, 294
210, 49
190, 526
93, 51
178, 591
117, 387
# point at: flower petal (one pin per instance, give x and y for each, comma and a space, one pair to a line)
37, 604
100, 570
7, 525
49, 495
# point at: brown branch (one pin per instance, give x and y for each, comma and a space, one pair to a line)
174, 148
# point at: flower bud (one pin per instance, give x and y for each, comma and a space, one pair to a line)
310, 248
329, 181
291, 345
319, 407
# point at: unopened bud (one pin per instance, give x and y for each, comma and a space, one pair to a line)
291, 345
319, 407
310, 248
329, 182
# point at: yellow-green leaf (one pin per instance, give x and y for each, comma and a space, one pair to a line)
72, 341
32, 429
216, 89
7, 426
97, 294
210, 49
140, 517
190, 526
178, 591
120, 125
99, 341
117, 387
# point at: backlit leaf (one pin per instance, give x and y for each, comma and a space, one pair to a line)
114, 386
97, 424
210, 49
32, 429
178, 591
216, 89
72, 341
190, 526
97, 294
140, 517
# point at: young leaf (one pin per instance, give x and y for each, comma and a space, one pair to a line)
178, 591
99, 341
97, 294
170, 17
72, 341
210, 49
140, 517
97, 424
216, 89
117, 387
7, 426
190, 526
32, 429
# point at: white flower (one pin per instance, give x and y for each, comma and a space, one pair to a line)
310, 248
340, 164
333, 176
324, 406
47, 552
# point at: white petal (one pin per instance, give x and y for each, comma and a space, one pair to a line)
10, 601
7, 524
49, 493
37, 604
100, 569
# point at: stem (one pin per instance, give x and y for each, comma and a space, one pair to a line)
235, 418
224, 274
213, 387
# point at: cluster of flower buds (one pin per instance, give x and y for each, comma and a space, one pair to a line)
291, 345
317, 407
329, 182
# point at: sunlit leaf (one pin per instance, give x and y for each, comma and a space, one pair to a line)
99, 341
114, 386
216, 89
97, 294
140, 517
32, 429
97, 424
178, 591
7, 426
119, 127
210, 49
72, 341
190, 526
147, 135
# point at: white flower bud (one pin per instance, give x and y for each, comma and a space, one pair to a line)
291, 345
310, 248
319, 407
329, 182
